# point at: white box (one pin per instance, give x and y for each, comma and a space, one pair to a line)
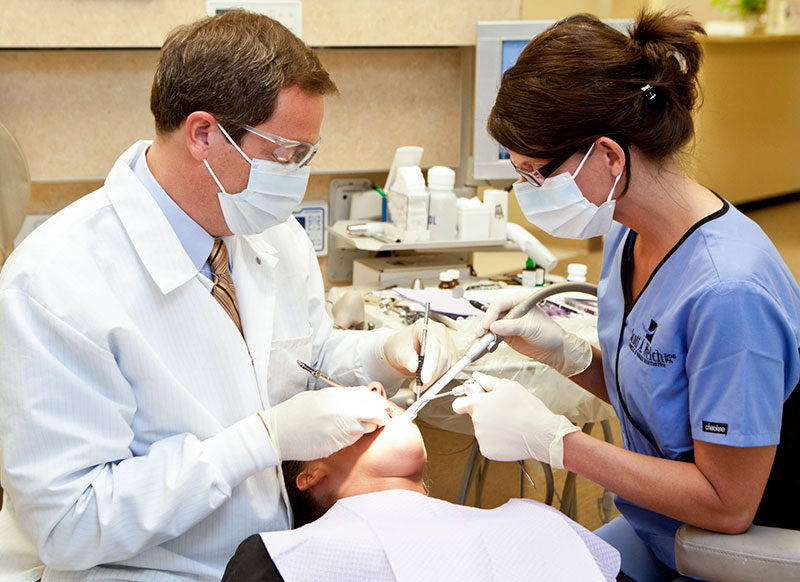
497, 203
366, 205
408, 206
473, 220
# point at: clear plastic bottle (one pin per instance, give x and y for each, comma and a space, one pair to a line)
442, 209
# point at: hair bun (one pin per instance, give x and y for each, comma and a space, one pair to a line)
668, 42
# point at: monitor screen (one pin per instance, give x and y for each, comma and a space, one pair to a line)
497, 47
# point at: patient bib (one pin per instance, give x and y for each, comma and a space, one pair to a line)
405, 536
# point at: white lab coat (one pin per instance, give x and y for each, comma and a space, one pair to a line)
128, 434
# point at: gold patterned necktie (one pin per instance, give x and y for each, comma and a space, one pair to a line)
223, 290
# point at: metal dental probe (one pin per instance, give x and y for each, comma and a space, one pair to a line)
489, 342
319, 374
423, 345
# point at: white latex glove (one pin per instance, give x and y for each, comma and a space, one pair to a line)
537, 336
401, 351
511, 424
317, 423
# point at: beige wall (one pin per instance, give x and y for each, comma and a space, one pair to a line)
403, 67
546, 10
747, 129
73, 112
703, 10
399, 65
329, 23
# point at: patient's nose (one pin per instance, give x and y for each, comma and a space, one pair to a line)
377, 387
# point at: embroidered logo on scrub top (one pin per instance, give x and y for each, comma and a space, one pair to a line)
641, 344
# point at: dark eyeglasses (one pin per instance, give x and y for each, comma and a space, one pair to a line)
537, 177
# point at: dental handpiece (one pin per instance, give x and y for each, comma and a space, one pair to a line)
483, 346
489, 342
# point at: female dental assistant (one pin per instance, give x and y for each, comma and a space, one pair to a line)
699, 317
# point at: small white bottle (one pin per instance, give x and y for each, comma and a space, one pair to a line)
576, 272
442, 210
529, 274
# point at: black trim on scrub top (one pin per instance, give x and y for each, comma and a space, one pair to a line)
626, 281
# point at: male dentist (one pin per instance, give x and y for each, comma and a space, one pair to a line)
149, 332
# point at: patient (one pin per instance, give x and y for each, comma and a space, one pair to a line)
363, 514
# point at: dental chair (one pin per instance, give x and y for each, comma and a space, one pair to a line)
763, 554
19, 559
15, 189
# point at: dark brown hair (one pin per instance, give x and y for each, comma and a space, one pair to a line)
231, 65
581, 80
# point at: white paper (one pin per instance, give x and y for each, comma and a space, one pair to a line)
441, 300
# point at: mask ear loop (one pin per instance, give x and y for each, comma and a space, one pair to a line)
210, 171
234, 144
238, 149
614, 187
583, 161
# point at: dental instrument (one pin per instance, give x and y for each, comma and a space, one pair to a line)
320, 374
469, 388
489, 342
477, 304
422, 347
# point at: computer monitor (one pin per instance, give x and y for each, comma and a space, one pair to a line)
497, 48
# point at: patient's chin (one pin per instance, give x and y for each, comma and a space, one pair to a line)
398, 449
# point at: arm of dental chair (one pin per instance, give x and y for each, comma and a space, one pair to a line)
761, 553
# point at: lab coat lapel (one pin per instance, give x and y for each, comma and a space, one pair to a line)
162, 255
254, 267
156, 244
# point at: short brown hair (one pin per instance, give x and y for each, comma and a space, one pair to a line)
581, 80
231, 65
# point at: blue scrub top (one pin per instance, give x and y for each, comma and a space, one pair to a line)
708, 351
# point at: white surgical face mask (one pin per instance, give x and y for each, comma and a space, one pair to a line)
273, 191
559, 207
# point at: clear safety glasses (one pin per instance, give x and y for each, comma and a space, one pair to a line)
288, 151
537, 177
